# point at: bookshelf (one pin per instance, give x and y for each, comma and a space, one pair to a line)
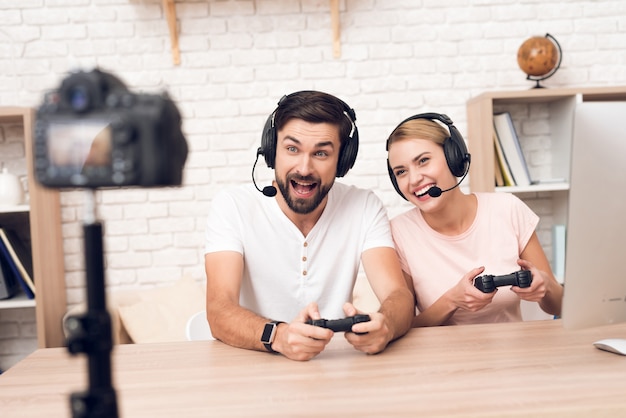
544, 120
42, 218
558, 105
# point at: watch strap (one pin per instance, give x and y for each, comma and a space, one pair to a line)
269, 333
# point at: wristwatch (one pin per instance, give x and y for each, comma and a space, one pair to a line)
269, 333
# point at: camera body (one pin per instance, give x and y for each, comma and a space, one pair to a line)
93, 132
488, 282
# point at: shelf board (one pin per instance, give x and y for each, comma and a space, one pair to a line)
546, 95
18, 301
14, 208
12, 114
169, 7
534, 188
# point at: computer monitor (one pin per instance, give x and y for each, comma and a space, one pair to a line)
595, 264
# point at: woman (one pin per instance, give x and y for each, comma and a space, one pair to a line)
450, 238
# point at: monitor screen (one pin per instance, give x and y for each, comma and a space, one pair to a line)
595, 267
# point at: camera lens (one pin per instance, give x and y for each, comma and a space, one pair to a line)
78, 98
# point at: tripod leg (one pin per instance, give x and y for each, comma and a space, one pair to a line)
92, 335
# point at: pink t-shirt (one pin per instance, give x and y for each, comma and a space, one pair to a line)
502, 228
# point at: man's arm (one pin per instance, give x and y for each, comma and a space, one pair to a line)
239, 327
384, 274
230, 323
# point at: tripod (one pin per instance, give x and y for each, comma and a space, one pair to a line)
90, 333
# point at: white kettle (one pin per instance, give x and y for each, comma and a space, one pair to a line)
11, 191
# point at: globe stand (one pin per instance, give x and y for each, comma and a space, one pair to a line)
537, 79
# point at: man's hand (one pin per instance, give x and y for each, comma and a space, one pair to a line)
300, 341
378, 334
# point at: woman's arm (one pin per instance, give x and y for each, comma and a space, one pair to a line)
545, 289
462, 296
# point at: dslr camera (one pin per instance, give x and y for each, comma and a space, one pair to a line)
93, 132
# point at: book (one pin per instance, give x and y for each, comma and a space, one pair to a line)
498, 172
558, 252
20, 265
8, 283
21, 250
10, 270
502, 164
509, 142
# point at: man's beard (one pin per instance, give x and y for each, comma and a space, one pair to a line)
303, 206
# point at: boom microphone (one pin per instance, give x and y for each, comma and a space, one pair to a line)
436, 191
269, 191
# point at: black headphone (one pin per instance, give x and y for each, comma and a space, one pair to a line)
349, 146
454, 148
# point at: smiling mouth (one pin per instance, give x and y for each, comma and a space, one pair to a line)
302, 187
424, 190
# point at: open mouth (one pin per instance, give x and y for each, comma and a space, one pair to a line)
303, 188
424, 190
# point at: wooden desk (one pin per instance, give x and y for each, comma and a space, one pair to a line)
523, 369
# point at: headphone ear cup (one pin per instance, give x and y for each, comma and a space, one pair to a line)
268, 142
348, 155
455, 151
394, 181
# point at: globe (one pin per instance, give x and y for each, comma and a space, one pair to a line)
537, 56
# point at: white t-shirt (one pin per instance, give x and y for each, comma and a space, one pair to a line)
283, 270
502, 228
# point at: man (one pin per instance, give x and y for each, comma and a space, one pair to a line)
291, 254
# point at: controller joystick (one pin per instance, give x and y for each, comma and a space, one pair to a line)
488, 282
340, 325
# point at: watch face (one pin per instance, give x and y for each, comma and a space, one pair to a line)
268, 333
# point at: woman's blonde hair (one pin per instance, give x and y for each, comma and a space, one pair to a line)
419, 129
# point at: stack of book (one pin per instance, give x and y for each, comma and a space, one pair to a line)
16, 266
510, 164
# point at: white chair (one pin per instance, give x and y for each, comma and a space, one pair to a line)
198, 328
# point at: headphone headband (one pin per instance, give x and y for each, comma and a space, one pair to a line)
349, 145
443, 118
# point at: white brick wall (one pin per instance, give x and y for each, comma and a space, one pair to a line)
399, 57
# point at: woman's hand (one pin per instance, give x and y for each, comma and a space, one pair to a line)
464, 295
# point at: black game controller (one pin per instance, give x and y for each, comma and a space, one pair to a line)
488, 282
340, 325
